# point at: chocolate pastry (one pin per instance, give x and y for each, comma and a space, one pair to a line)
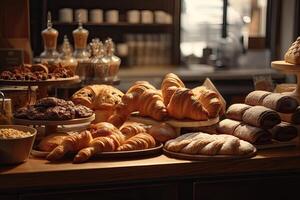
52, 101
82, 111
21, 113
60, 113
36, 113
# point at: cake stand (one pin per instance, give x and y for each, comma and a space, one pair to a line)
288, 68
42, 85
51, 125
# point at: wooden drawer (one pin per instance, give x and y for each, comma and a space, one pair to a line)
148, 192
248, 189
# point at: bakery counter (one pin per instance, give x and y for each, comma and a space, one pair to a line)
179, 179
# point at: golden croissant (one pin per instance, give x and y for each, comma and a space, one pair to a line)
72, 143
209, 99
183, 104
170, 80
102, 129
130, 129
100, 144
138, 142
142, 97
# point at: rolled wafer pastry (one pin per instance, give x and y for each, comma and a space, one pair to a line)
293, 118
256, 97
236, 111
261, 117
227, 126
243, 131
284, 132
252, 134
280, 103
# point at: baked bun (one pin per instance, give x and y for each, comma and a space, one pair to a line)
162, 132
49, 142
293, 53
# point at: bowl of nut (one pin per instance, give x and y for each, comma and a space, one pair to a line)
15, 143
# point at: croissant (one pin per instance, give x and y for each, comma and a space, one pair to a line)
206, 144
130, 129
71, 143
138, 142
101, 98
183, 104
170, 80
108, 142
209, 99
142, 97
102, 129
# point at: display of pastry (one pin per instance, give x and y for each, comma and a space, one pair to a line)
143, 98
72, 143
209, 99
209, 145
103, 99
276, 101
36, 72
51, 108
107, 140
170, 80
138, 142
293, 53
246, 132
184, 105
49, 142
162, 132
130, 129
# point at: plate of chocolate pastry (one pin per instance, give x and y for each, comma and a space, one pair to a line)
37, 74
53, 111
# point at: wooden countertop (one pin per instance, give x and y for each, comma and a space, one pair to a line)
40, 173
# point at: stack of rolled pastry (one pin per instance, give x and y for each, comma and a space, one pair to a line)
105, 137
293, 118
284, 132
244, 131
258, 116
275, 101
207, 144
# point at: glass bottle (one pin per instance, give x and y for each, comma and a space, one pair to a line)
100, 69
67, 60
80, 36
49, 36
110, 60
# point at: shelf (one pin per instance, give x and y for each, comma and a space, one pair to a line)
105, 24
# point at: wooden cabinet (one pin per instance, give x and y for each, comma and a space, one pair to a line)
258, 187
136, 192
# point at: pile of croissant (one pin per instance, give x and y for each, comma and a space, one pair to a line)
173, 100
105, 137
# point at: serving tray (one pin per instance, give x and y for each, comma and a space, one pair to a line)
57, 81
206, 157
115, 154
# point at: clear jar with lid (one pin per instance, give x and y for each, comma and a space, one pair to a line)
100, 68
111, 61
66, 58
49, 35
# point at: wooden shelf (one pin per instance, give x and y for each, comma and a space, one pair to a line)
105, 24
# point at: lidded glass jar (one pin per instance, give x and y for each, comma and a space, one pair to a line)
110, 60
80, 36
100, 69
49, 36
67, 60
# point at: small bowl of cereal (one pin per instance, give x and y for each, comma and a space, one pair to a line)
15, 143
